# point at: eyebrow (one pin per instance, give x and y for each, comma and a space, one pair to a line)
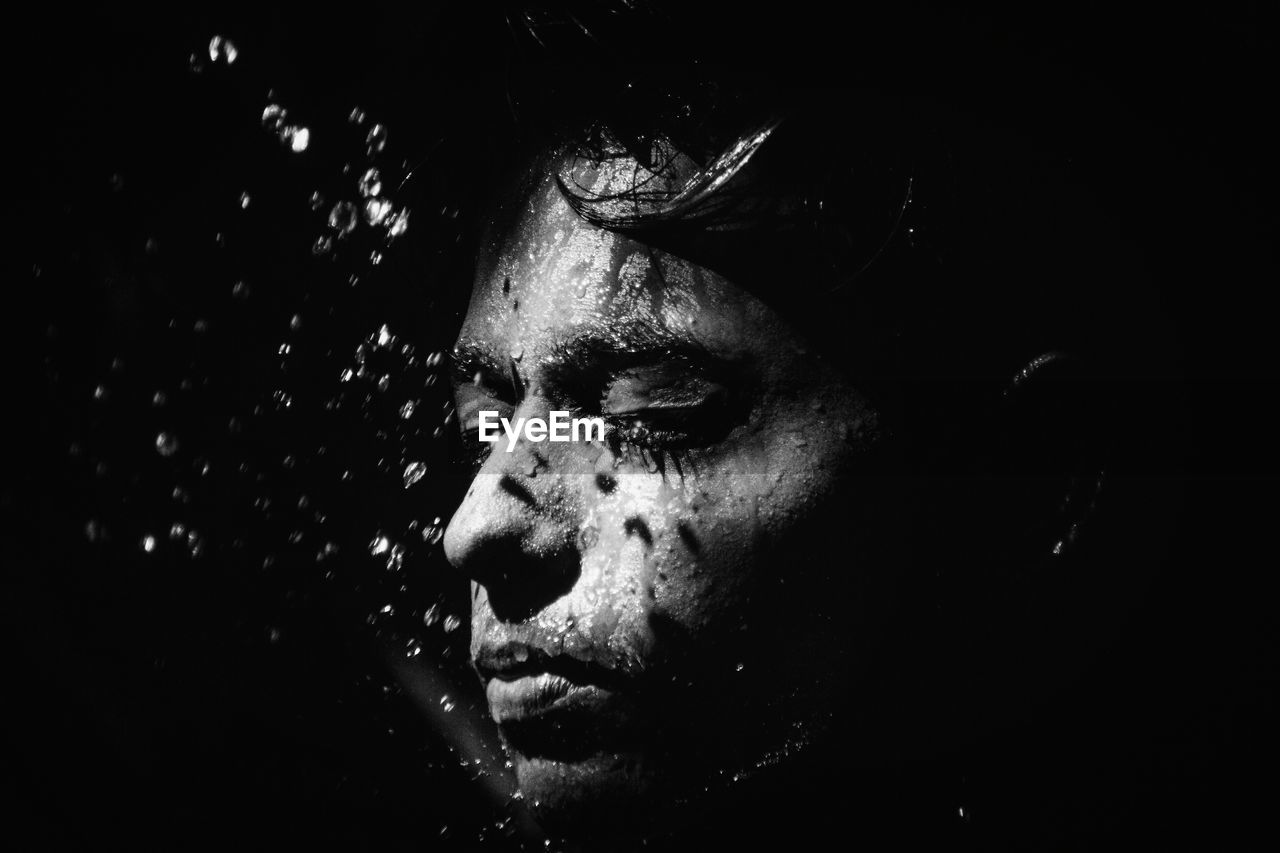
632, 343
638, 341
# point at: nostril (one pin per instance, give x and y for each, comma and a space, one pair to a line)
521, 580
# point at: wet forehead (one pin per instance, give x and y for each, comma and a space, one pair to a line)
553, 277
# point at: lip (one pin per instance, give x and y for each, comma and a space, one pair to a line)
556, 706
511, 661
532, 696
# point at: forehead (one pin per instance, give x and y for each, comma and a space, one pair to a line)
546, 275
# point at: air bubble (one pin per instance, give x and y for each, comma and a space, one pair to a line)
398, 223
370, 184
273, 116
343, 218
414, 472
376, 210
166, 444
377, 139
222, 50
297, 138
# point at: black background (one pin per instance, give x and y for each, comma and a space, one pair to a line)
173, 700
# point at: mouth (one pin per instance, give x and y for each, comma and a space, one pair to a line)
554, 706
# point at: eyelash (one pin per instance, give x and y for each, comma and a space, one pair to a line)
679, 432
628, 444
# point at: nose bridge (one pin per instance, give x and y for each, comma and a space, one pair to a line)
514, 530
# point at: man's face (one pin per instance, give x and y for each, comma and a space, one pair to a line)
612, 581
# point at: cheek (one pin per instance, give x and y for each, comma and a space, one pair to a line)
676, 550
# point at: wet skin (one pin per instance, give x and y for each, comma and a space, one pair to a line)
611, 580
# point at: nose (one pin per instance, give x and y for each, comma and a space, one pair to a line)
514, 532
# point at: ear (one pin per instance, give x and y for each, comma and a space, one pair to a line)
1052, 429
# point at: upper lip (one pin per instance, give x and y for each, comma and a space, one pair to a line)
511, 660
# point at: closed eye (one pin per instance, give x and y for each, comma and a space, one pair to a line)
666, 406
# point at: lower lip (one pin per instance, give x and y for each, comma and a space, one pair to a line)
535, 695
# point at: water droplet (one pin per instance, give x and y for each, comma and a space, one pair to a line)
244, 201
376, 210
414, 472
433, 533
377, 139
273, 116
398, 223
240, 290
297, 138
316, 201
322, 246
370, 183
222, 50
295, 322
379, 545
343, 218
406, 411
451, 623
148, 543
357, 116
166, 444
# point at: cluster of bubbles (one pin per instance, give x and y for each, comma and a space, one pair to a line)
369, 205
275, 119
221, 51
321, 476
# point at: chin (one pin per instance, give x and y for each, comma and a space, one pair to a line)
593, 795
